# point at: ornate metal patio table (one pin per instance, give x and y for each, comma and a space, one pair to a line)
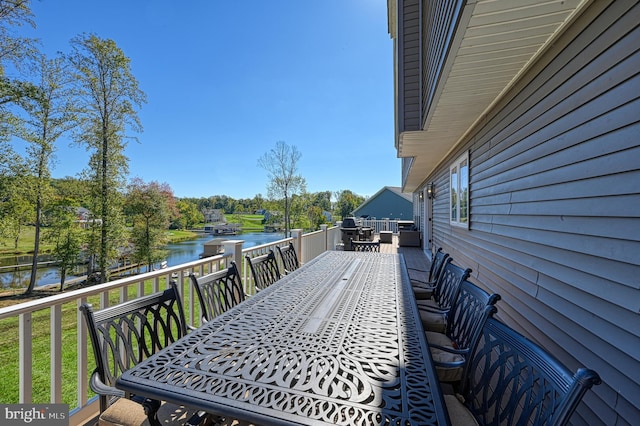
334, 342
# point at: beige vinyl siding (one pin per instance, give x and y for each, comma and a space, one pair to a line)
555, 208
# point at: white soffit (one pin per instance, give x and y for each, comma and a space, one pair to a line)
496, 41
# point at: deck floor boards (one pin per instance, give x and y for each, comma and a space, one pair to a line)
417, 262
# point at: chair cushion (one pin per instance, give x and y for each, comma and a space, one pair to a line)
440, 339
422, 292
125, 412
458, 413
433, 321
445, 374
428, 303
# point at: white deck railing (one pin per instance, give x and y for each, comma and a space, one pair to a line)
380, 225
26, 324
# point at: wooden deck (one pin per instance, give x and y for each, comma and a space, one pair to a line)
417, 262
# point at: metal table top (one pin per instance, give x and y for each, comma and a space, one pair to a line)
335, 342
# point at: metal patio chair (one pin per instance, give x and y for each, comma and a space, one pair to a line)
512, 381
264, 270
289, 258
219, 291
450, 349
424, 289
366, 246
122, 336
433, 312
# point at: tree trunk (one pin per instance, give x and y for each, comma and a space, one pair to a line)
63, 276
36, 249
105, 206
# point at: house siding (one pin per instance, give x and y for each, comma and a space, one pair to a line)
555, 207
387, 205
409, 47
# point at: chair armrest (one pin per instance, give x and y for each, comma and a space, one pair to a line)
449, 349
100, 388
452, 364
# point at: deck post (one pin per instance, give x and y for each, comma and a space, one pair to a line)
234, 248
324, 227
297, 242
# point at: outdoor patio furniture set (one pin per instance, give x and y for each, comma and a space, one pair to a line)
278, 357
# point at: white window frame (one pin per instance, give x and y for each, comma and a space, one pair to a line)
459, 184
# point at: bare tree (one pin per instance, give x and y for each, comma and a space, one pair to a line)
281, 164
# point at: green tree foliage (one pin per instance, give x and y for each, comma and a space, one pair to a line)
73, 190
47, 117
66, 233
189, 215
322, 200
347, 202
151, 207
16, 209
281, 165
13, 52
109, 96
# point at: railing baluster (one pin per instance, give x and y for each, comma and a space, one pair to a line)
26, 360
56, 353
104, 299
81, 348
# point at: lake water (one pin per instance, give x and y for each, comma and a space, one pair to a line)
182, 252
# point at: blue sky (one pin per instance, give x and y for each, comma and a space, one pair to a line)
226, 80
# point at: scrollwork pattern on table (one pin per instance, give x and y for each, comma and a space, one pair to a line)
359, 363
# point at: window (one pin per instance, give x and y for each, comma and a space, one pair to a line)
459, 198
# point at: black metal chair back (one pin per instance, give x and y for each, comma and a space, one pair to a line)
289, 258
264, 270
125, 334
436, 265
218, 292
511, 380
471, 309
366, 246
448, 284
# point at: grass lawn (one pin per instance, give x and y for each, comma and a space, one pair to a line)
250, 222
27, 240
